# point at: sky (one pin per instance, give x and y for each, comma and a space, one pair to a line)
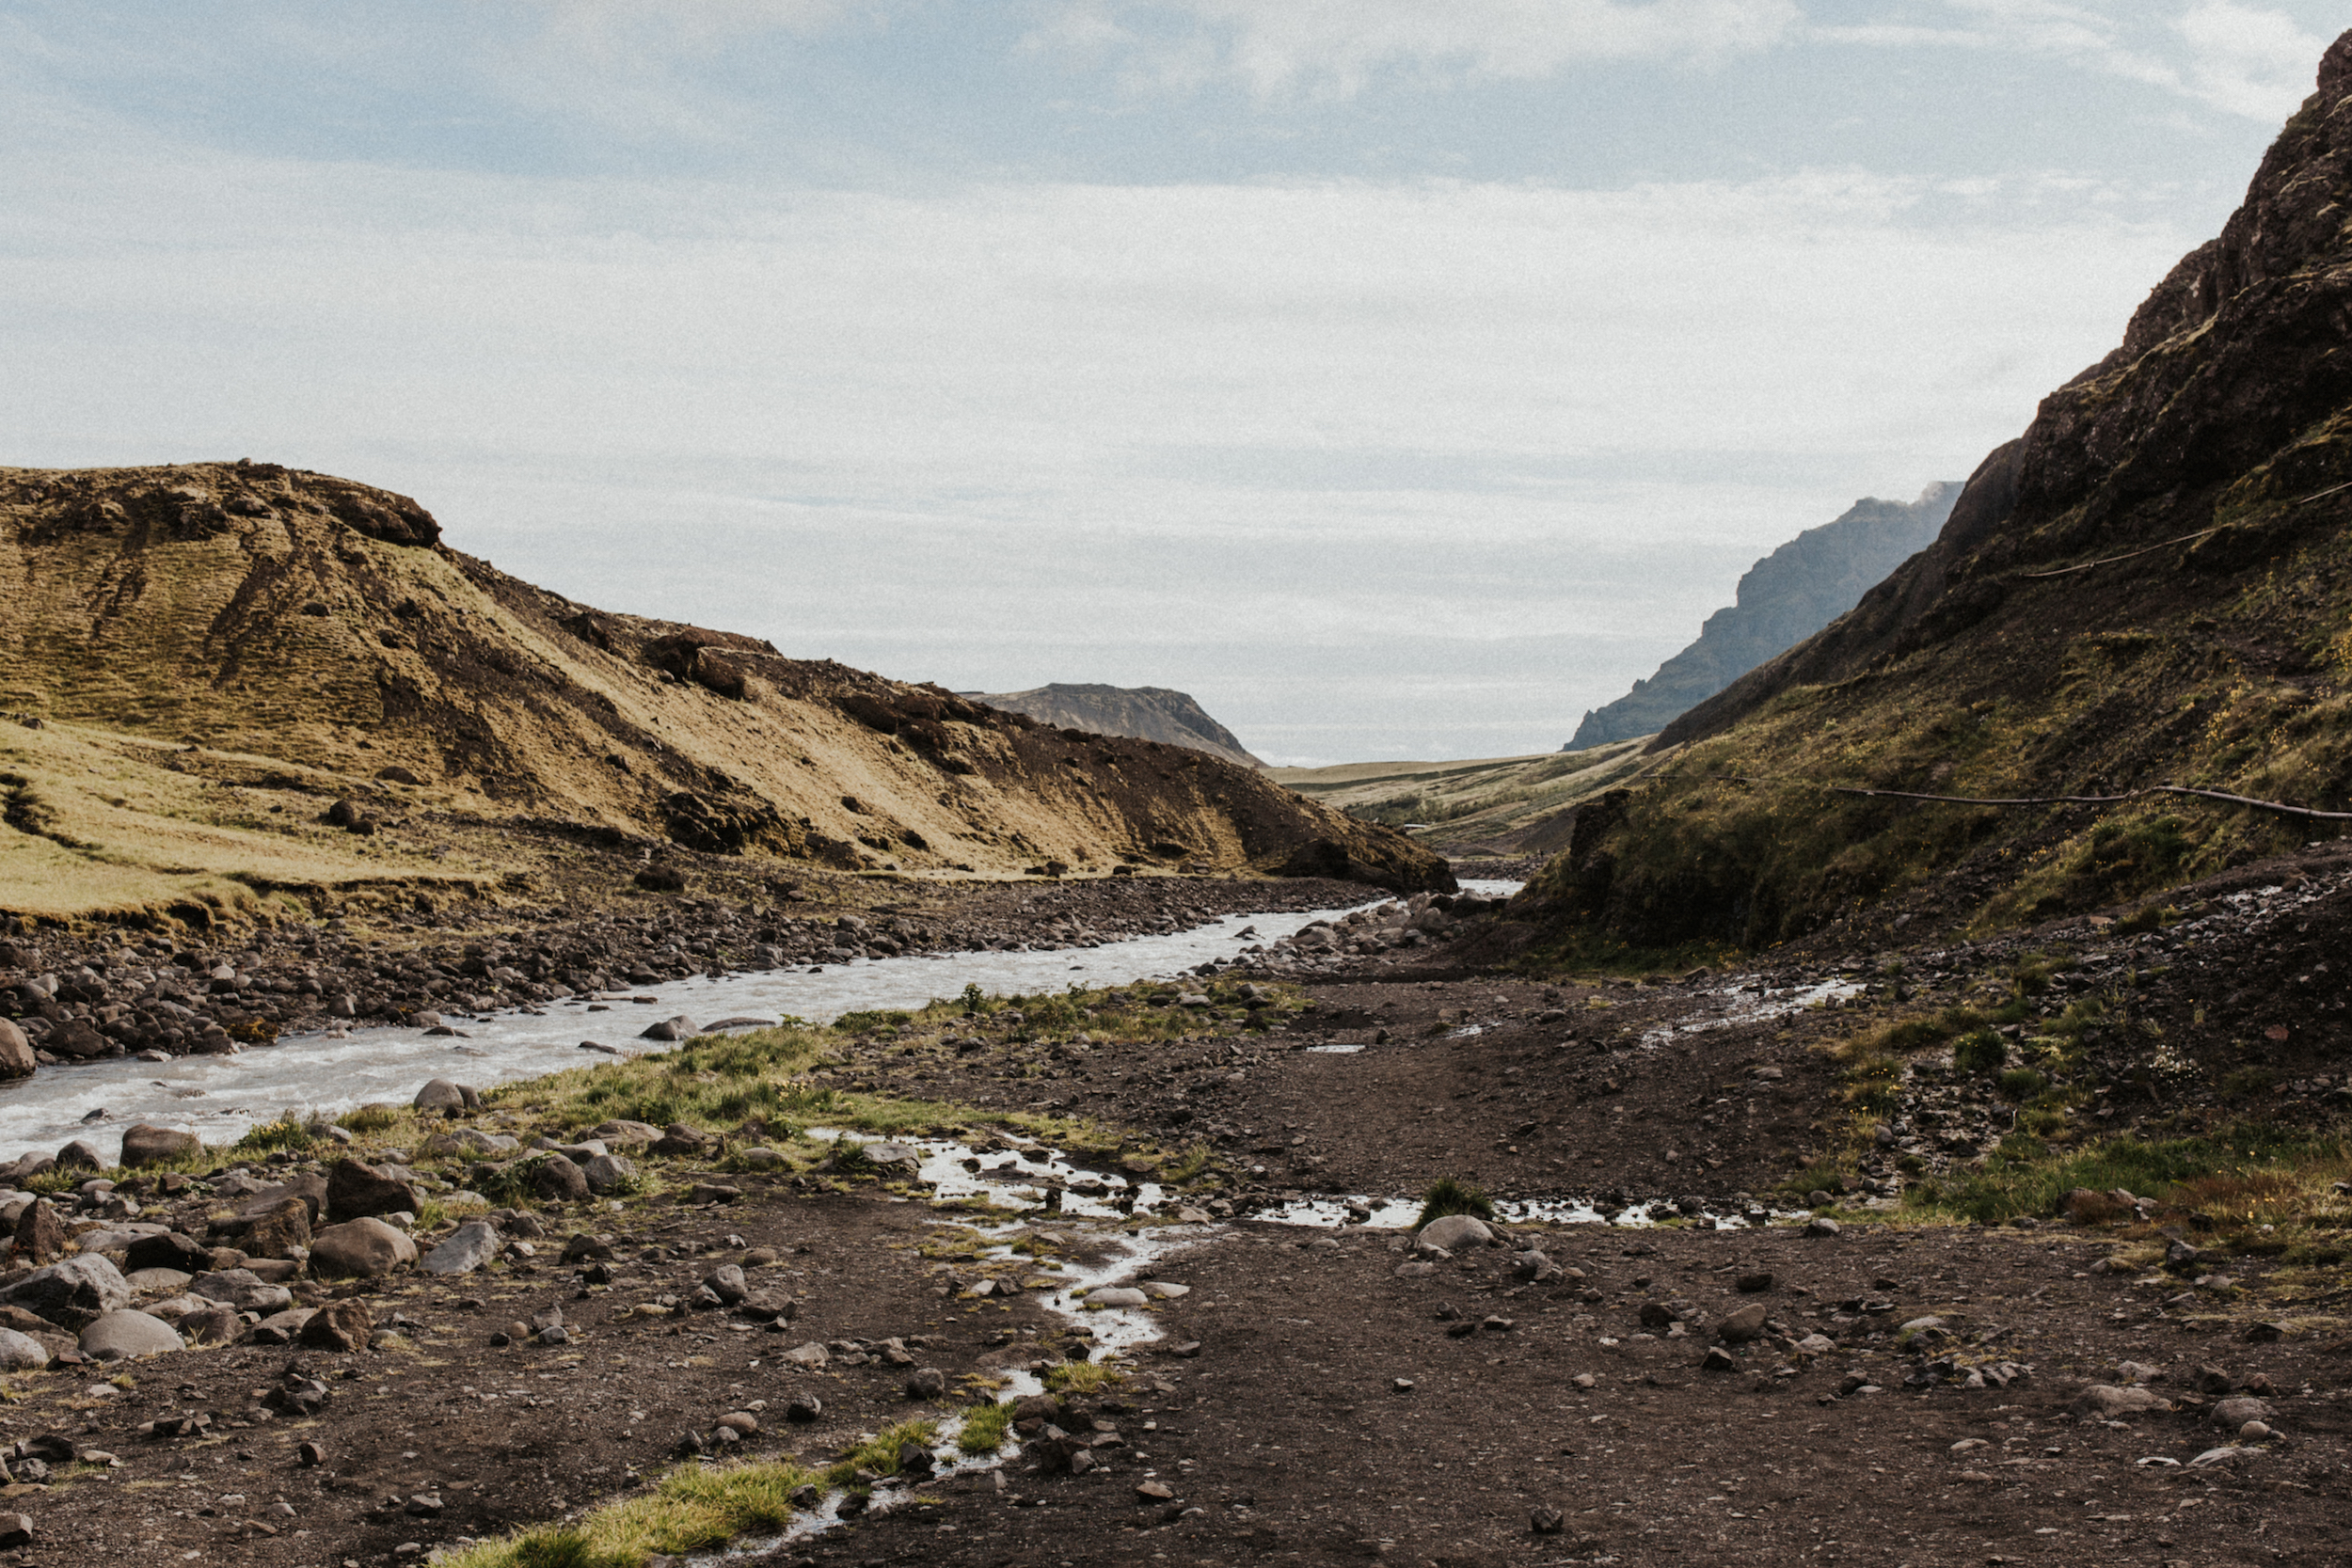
1400, 377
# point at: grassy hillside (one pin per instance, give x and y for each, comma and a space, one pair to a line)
2153, 586
1505, 803
211, 635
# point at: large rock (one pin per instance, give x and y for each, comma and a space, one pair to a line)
39, 1234
241, 1289
626, 1134
556, 1179
472, 1245
2108, 1401
465, 1141
608, 1173
364, 1248
169, 1250
16, 1052
1744, 1325
148, 1145
342, 1326
78, 1040
310, 1187
356, 1191
129, 1337
79, 1155
1456, 1232
71, 1292
441, 1096
20, 1353
278, 1231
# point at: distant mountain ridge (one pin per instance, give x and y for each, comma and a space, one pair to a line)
1143, 712
1784, 598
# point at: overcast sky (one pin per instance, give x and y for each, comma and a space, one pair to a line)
1400, 377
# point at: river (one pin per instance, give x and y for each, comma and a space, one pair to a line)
218, 1097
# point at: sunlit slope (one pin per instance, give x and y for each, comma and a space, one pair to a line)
271, 614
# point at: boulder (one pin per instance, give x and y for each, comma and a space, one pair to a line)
79, 1155
279, 1231
146, 1145
475, 1243
241, 1289
1456, 1231
129, 1337
213, 1325
342, 1326
2234, 1413
556, 1179
76, 1040
1741, 1328
356, 1191
364, 1248
1116, 1295
608, 1173
311, 1188
71, 1292
20, 1352
442, 1096
16, 1052
39, 1234
169, 1250
626, 1134
679, 1028
2109, 1403
466, 1141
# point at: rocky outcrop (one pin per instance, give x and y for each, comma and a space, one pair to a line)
1782, 600
2142, 590
1144, 712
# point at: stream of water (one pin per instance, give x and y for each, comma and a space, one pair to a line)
218, 1097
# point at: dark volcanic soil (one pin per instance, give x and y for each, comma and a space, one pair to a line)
1286, 1436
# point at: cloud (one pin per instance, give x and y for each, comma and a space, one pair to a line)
2248, 60
1336, 48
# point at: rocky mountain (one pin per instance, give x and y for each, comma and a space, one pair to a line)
1782, 600
2151, 588
178, 631
1144, 712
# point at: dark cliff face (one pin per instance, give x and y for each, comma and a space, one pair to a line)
1783, 600
2152, 585
2232, 371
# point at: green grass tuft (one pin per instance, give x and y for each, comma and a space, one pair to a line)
1449, 1195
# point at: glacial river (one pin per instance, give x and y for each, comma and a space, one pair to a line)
218, 1097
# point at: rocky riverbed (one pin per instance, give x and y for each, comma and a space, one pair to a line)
424, 1328
90, 994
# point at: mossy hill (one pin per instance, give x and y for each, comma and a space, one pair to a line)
196, 659
1144, 712
2153, 585
1781, 600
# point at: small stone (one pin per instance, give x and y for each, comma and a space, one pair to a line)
803, 1407
1752, 1284
309, 1456
1153, 1492
1717, 1360
1546, 1520
929, 1383
1822, 1226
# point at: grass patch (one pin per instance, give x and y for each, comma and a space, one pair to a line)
878, 1455
693, 1508
2250, 1174
1081, 1377
289, 1131
985, 1429
1449, 1195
